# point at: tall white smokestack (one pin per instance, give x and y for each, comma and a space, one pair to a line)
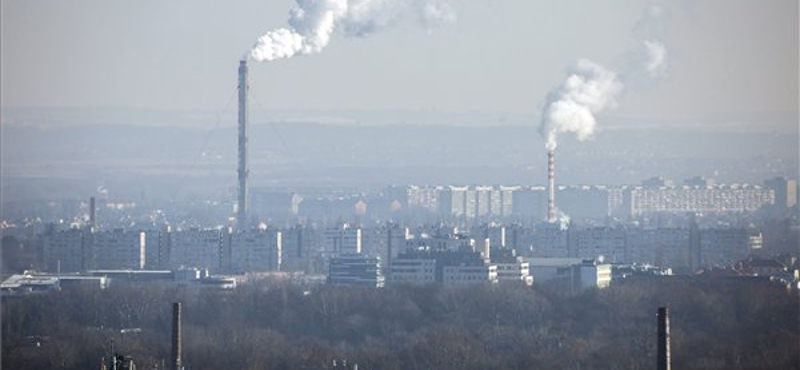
551, 185
243, 172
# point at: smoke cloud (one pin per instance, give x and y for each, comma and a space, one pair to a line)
591, 88
313, 22
588, 89
656, 57
650, 59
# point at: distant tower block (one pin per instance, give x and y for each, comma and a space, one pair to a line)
551, 185
663, 357
243, 172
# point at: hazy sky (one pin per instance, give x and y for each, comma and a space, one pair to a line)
726, 57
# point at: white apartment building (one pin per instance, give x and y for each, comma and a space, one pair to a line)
711, 199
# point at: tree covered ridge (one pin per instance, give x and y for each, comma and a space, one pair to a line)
716, 324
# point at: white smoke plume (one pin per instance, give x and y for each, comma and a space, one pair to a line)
656, 57
590, 88
650, 60
313, 22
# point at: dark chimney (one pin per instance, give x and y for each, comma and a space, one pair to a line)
176, 336
663, 339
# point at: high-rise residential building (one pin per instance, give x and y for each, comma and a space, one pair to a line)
453, 202
482, 199
67, 250
294, 249
723, 247
665, 247
470, 203
530, 203
422, 197
551, 239
119, 249
583, 202
303, 249
198, 248
608, 243
615, 202
785, 193
718, 199
507, 200
269, 204
157, 248
255, 250
341, 240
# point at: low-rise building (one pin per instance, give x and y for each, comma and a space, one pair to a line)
442, 266
29, 283
469, 274
572, 275
412, 270
356, 270
511, 269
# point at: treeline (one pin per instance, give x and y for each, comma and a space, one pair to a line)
716, 324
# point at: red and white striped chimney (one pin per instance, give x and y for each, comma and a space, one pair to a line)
551, 185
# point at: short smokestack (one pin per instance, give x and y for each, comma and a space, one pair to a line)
176, 336
551, 185
664, 360
92, 214
243, 172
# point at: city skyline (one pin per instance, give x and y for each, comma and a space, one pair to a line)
399, 184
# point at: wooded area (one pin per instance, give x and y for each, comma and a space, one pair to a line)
716, 324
